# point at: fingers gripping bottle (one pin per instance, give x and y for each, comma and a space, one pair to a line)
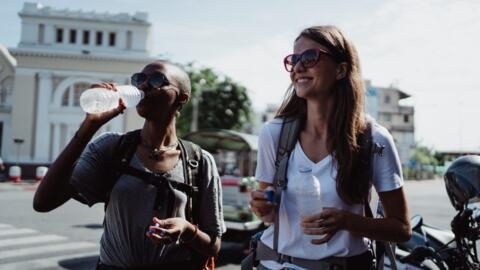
98, 100
308, 200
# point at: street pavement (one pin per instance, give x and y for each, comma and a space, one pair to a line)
67, 238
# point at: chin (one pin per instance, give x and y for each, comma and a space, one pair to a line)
141, 111
302, 92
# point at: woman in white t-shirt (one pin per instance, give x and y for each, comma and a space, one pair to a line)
327, 94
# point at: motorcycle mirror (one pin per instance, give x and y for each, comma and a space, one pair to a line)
416, 221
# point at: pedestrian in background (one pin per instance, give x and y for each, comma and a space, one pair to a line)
134, 236
2, 170
327, 95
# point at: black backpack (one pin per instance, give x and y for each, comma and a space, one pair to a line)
191, 157
288, 137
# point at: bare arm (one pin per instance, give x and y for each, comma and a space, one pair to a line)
201, 241
394, 227
54, 189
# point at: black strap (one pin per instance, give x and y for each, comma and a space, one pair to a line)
123, 153
368, 149
192, 160
288, 138
155, 178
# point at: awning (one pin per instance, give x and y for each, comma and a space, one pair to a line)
213, 140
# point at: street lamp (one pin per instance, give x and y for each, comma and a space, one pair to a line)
18, 142
195, 102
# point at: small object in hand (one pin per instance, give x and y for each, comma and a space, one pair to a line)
270, 192
162, 232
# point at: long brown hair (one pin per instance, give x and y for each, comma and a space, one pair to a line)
348, 118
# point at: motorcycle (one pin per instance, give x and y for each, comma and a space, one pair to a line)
434, 248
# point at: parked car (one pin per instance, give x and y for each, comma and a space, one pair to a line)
235, 154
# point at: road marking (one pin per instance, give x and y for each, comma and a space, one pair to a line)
31, 240
25, 252
25, 248
10, 232
50, 262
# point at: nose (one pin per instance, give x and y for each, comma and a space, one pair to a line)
143, 85
298, 67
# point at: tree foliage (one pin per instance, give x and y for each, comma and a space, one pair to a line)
425, 156
222, 103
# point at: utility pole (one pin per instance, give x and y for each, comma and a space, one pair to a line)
195, 104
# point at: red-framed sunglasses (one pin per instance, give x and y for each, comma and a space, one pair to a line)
308, 58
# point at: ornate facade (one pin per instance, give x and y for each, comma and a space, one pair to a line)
60, 53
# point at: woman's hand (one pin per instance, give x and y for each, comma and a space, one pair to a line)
325, 224
261, 207
165, 231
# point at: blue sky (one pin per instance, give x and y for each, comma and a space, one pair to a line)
426, 48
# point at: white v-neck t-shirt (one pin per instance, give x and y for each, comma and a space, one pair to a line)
387, 176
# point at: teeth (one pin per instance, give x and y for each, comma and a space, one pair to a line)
302, 80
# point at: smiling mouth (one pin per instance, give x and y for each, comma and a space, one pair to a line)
302, 80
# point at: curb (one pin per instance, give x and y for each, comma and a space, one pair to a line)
23, 185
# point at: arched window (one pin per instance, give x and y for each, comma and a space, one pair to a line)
71, 95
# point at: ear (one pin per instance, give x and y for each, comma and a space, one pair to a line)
182, 98
341, 71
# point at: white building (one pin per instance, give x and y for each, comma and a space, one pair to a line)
60, 54
383, 103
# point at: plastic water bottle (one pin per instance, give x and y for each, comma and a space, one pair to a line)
98, 100
309, 202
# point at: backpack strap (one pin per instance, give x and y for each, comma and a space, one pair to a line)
192, 165
123, 153
366, 160
192, 161
127, 147
288, 138
368, 149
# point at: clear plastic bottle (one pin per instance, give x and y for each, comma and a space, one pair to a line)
309, 202
97, 100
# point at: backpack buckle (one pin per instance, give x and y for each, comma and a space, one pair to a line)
282, 258
193, 163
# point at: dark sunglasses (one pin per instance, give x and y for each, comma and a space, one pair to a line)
308, 58
155, 80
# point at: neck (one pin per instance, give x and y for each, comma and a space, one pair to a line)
155, 153
159, 136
